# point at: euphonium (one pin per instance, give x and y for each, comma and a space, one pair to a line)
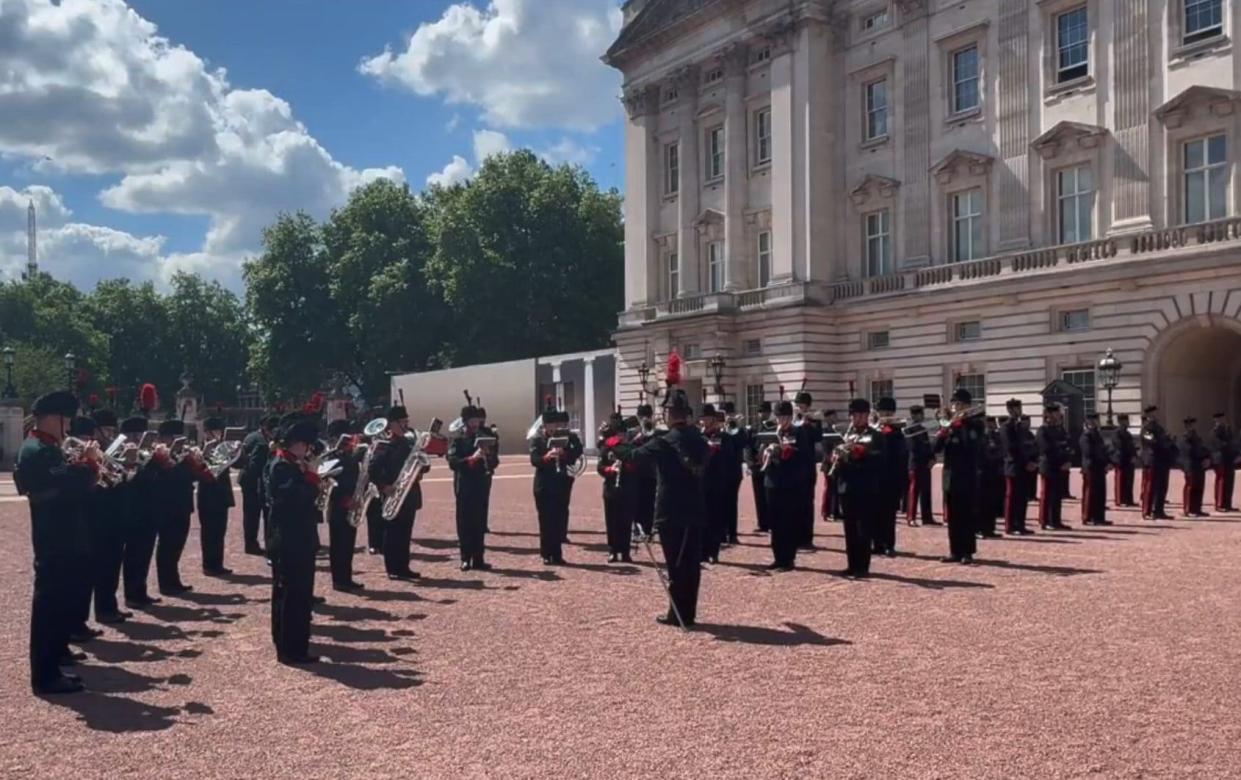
363, 492
416, 464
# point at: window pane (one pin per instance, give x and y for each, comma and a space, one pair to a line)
1085, 180
1085, 217
1216, 149
1218, 196
975, 238
1193, 155
1195, 197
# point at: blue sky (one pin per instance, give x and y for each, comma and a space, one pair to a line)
162, 134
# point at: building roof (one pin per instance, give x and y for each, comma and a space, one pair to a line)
655, 18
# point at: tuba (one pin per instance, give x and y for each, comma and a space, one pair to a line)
416, 464
364, 491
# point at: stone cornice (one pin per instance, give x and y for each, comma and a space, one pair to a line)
1221, 102
978, 163
874, 184
1085, 136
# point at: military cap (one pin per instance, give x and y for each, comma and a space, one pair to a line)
803, 398
104, 418
885, 404
301, 430
706, 410
397, 412
213, 424
171, 428
57, 402
962, 396
1012, 403
134, 425
784, 409
859, 406
82, 427
764, 408
646, 410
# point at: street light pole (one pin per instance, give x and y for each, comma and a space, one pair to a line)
716, 364
9, 390
1109, 377
70, 362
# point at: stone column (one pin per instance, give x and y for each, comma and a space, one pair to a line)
558, 384
915, 191
691, 181
11, 417
783, 215
588, 420
1132, 60
1013, 119
642, 180
736, 59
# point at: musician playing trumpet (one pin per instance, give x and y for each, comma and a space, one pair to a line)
553, 453
176, 472
109, 528
619, 489
783, 463
473, 463
215, 498
341, 533
862, 469
961, 442
389, 457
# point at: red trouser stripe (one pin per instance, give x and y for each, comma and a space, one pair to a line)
1147, 508
1042, 500
911, 497
1221, 474
1086, 498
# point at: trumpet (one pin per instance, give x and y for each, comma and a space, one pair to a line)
78, 451
771, 441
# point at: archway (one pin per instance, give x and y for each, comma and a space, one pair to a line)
1197, 372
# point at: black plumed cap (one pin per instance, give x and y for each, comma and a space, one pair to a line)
646, 410
784, 409
886, 404
397, 412
105, 418
82, 427
213, 424
962, 396
134, 425
859, 406
58, 402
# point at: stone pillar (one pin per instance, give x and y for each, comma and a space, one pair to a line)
915, 191
783, 216
11, 417
588, 419
558, 383
1013, 119
643, 179
1132, 62
736, 60
690, 185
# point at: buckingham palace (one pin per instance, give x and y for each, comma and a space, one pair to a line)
897, 197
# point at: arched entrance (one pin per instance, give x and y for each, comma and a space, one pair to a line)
1196, 371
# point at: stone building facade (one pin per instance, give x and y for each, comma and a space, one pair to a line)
903, 196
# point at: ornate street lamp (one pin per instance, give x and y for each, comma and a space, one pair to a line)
9, 390
644, 374
716, 364
1109, 376
70, 363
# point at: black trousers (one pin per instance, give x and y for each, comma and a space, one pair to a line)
341, 538
1094, 495
733, 498
1016, 507
716, 530
553, 509
682, 546
805, 514
883, 535
397, 535
991, 506
253, 512
139, 549
618, 520
1225, 486
760, 499
212, 528
58, 584
107, 545
472, 525
174, 530
1123, 480
376, 526
1050, 500
644, 505
962, 508
859, 514
292, 596
783, 507
919, 499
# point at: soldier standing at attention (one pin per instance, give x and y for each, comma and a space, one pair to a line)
1095, 463
383, 470
961, 442
992, 507
1158, 452
754, 464
341, 533
862, 471
809, 434
739, 438
292, 490
1017, 465
174, 497
679, 460
618, 488
1053, 462
215, 498
717, 481
644, 484
1224, 460
112, 531
140, 543
1124, 455
553, 453
1195, 459
255, 450
921, 460
783, 474
472, 466
57, 491
893, 476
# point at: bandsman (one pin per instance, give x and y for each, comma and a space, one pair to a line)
992, 487
1195, 460
143, 528
1158, 454
110, 530
1017, 465
740, 436
784, 473
1053, 462
342, 535
83, 429
921, 461
809, 436
892, 477
644, 483
215, 498
961, 443
1124, 456
387, 461
754, 465
176, 473
862, 471
473, 464
717, 481
255, 451
1095, 463
618, 487
1224, 462
553, 454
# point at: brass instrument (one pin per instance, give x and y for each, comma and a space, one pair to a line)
416, 464
364, 491
222, 454
770, 441
78, 451
843, 452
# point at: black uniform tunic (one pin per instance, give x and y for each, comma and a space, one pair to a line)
341, 534
1094, 476
753, 459
292, 543
961, 443
784, 480
1194, 459
384, 469
1053, 460
1224, 462
644, 484
471, 486
893, 479
1124, 456
215, 498
721, 483
553, 488
921, 460
863, 477
143, 527
1158, 454
619, 491
174, 504
809, 435
255, 451
107, 512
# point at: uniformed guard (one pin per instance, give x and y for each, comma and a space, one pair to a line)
862, 471
57, 490
292, 491
809, 437
679, 460
1124, 456
215, 498
473, 463
784, 474
143, 530
644, 483
717, 482
174, 504
754, 465
1224, 462
961, 442
1195, 460
1053, 462
553, 453
1095, 463
1029, 443
893, 478
992, 484
387, 460
342, 535
255, 450
83, 429
110, 529
618, 485
1017, 465
739, 437
1158, 454
921, 461
834, 512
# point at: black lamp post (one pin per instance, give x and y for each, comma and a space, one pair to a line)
644, 373
1109, 376
70, 363
9, 390
716, 364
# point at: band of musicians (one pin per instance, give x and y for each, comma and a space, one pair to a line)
111, 498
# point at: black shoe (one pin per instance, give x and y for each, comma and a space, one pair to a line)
613, 557
734, 540
669, 620
482, 566
254, 549
624, 558
558, 560
785, 569
949, 559
62, 684
317, 600
713, 559
1106, 522
220, 572
346, 587
298, 660
84, 634
772, 566
109, 619
967, 560
406, 575
1162, 516
890, 552
175, 590
547, 561
372, 550
466, 565
138, 602
931, 522
846, 573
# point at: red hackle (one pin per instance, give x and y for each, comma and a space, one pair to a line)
148, 399
673, 376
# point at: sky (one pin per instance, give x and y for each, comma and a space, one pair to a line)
163, 135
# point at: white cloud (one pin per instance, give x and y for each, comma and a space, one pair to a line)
453, 124
455, 172
91, 85
489, 142
566, 150
525, 63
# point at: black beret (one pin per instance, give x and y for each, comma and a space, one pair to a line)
764, 407
706, 410
803, 398
646, 410
859, 406
469, 412
397, 413
886, 404
337, 428
962, 396
57, 402
301, 431
1012, 403
134, 425
171, 428
784, 409
105, 418
915, 409
81, 427
213, 424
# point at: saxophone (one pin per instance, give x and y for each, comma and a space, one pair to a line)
416, 464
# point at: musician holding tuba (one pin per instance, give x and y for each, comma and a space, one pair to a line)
473, 458
215, 498
390, 453
553, 453
342, 534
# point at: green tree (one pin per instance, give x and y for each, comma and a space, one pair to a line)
135, 317
206, 336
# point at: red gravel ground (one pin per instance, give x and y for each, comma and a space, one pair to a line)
1108, 652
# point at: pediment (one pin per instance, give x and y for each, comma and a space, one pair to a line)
1065, 134
961, 160
1217, 100
709, 217
872, 185
657, 18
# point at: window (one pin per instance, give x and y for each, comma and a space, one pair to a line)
674, 275
879, 243
715, 153
875, 21
764, 259
881, 388
762, 136
967, 331
714, 75
715, 266
966, 236
1072, 45
1075, 194
762, 55
753, 400
672, 169
1082, 379
753, 346
691, 351
976, 384
671, 94
1206, 179
1203, 19
877, 109
965, 80
1075, 319
878, 339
